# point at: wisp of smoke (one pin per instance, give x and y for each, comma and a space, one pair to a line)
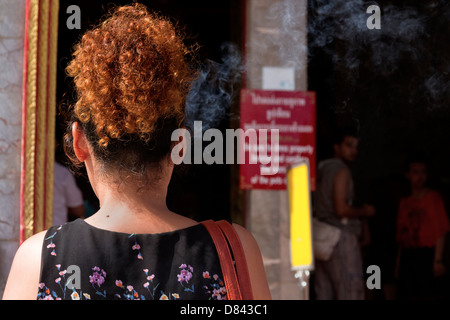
339, 29
212, 92
344, 22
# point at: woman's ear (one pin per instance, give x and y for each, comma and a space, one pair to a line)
80, 145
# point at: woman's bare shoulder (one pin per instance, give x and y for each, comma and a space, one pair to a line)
246, 237
255, 264
23, 279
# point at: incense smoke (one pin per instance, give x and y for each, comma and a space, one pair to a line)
344, 23
213, 91
408, 55
367, 57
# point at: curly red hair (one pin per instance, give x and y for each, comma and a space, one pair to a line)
129, 73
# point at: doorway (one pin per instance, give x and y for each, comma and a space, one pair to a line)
198, 191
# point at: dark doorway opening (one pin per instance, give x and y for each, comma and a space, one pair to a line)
199, 191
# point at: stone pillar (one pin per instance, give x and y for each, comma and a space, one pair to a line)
275, 37
12, 22
28, 44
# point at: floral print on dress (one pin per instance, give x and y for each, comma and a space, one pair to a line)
215, 287
184, 276
51, 245
150, 285
129, 293
45, 293
171, 296
137, 247
99, 281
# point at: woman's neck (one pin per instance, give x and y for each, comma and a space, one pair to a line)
124, 209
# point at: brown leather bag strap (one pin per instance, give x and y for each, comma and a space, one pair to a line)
226, 261
240, 259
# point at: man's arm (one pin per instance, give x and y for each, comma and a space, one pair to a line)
340, 198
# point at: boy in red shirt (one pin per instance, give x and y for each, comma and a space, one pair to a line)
422, 224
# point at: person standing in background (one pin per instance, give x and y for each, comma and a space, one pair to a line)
341, 276
422, 225
67, 197
68, 201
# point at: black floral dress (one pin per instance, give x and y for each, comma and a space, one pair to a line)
80, 261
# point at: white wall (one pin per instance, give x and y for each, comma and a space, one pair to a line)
12, 25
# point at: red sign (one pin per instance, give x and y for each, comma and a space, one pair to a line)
285, 126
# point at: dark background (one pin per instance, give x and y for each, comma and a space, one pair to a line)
392, 84
199, 191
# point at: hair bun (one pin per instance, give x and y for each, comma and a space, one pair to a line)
130, 71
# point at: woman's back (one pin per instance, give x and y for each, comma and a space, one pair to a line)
180, 264
132, 77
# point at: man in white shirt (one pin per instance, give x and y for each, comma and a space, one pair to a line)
67, 197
